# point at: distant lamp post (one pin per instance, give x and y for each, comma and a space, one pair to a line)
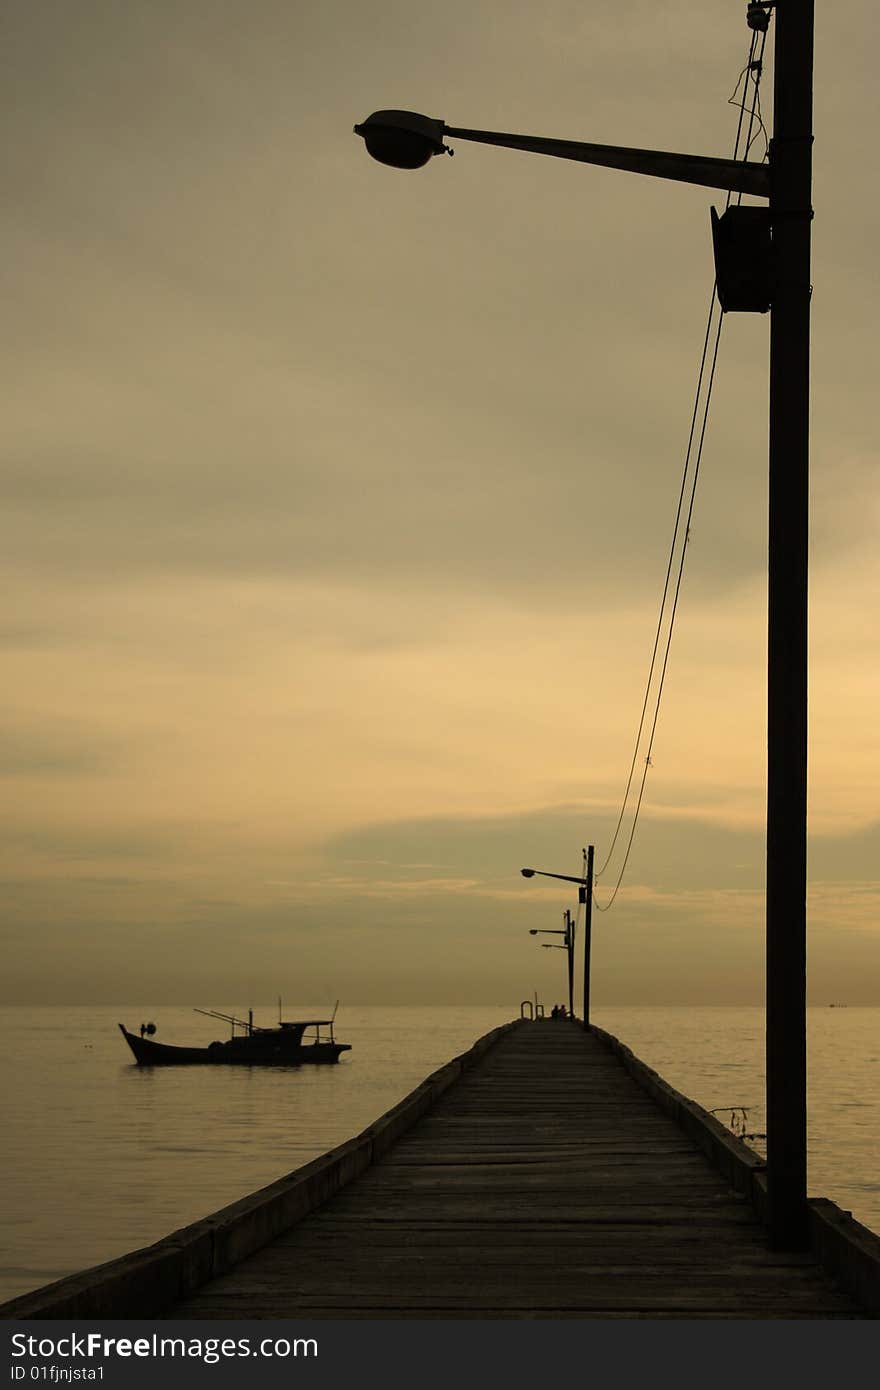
585, 897
567, 932
781, 282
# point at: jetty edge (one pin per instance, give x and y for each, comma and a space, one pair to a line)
849, 1251
149, 1281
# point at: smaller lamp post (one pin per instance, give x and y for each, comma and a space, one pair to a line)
567, 932
585, 896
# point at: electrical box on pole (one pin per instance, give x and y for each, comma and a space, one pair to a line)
742, 244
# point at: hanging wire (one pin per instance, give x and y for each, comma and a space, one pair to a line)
663, 601
604, 907
752, 70
756, 70
684, 477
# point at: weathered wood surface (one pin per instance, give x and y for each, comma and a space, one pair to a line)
544, 1184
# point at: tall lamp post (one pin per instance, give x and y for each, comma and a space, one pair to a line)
585, 896
567, 932
768, 252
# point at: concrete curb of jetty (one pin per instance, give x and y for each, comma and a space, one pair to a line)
149, 1280
849, 1251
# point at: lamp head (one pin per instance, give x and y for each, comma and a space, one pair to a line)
527, 873
403, 139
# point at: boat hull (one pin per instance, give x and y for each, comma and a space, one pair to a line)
255, 1051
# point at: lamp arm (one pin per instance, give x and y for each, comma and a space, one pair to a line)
684, 168
567, 878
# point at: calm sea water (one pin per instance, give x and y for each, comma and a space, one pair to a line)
101, 1157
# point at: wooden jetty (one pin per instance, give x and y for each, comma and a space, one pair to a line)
546, 1183
547, 1173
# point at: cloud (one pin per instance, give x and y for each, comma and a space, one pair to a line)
60, 747
678, 859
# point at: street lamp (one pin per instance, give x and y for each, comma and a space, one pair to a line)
585, 896
780, 237
567, 932
409, 140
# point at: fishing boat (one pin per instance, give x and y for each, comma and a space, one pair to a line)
289, 1044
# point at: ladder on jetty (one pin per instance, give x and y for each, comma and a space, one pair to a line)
544, 1183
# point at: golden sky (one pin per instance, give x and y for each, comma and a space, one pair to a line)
338, 502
